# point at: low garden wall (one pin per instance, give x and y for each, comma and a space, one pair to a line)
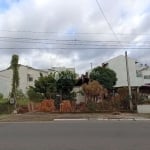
144, 108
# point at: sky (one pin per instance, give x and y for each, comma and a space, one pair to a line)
73, 33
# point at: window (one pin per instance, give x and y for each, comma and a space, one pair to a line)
138, 73
29, 78
147, 77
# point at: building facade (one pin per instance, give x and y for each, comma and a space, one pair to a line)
138, 76
59, 69
27, 76
4, 85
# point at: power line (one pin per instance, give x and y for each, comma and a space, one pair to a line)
110, 26
69, 48
74, 33
65, 40
109, 43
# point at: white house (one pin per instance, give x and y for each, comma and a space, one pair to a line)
59, 69
27, 76
145, 74
138, 76
4, 84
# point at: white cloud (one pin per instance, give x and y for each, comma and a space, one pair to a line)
65, 16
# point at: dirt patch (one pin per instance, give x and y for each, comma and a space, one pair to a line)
38, 116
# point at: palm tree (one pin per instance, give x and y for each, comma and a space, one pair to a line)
15, 77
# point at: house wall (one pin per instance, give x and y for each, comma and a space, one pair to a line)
4, 84
24, 83
146, 76
24, 73
118, 64
143, 109
79, 97
59, 69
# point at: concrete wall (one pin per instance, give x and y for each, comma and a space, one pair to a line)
24, 83
118, 64
143, 108
79, 97
59, 69
4, 84
147, 74
24, 73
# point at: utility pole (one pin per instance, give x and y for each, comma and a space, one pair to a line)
128, 80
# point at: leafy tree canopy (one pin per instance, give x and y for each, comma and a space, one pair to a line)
49, 85
33, 95
65, 83
104, 76
46, 85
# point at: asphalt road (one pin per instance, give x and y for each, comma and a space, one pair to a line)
76, 135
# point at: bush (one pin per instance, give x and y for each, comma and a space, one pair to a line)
143, 99
91, 106
6, 108
20, 95
34, 96
1, 96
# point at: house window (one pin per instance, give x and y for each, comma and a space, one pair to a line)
29, 77
138, 73
147, 77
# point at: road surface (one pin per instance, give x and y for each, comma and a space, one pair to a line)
76, 135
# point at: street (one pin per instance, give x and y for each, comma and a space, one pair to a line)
76, 135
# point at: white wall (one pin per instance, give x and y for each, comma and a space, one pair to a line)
118, 64
4, 84
146, 73
59, 69
79, 97
143, 108
23, 75
24, 83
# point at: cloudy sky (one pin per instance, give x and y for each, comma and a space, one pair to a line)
73, 33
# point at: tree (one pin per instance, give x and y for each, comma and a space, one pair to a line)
15, 79
93, 91
46, 85
65, 84
83, 79
104, 76
33, 95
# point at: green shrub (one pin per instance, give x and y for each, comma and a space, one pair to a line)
34, 96
91, 106
6, 108
20, 95
1, 96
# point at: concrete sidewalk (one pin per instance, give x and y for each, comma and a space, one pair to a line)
38, 116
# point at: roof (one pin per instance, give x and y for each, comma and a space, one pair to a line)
26, 67
120, 56
33, 68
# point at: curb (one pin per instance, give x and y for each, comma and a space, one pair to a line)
142, 119
123, 119
65, 119
117, 119
104, 119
